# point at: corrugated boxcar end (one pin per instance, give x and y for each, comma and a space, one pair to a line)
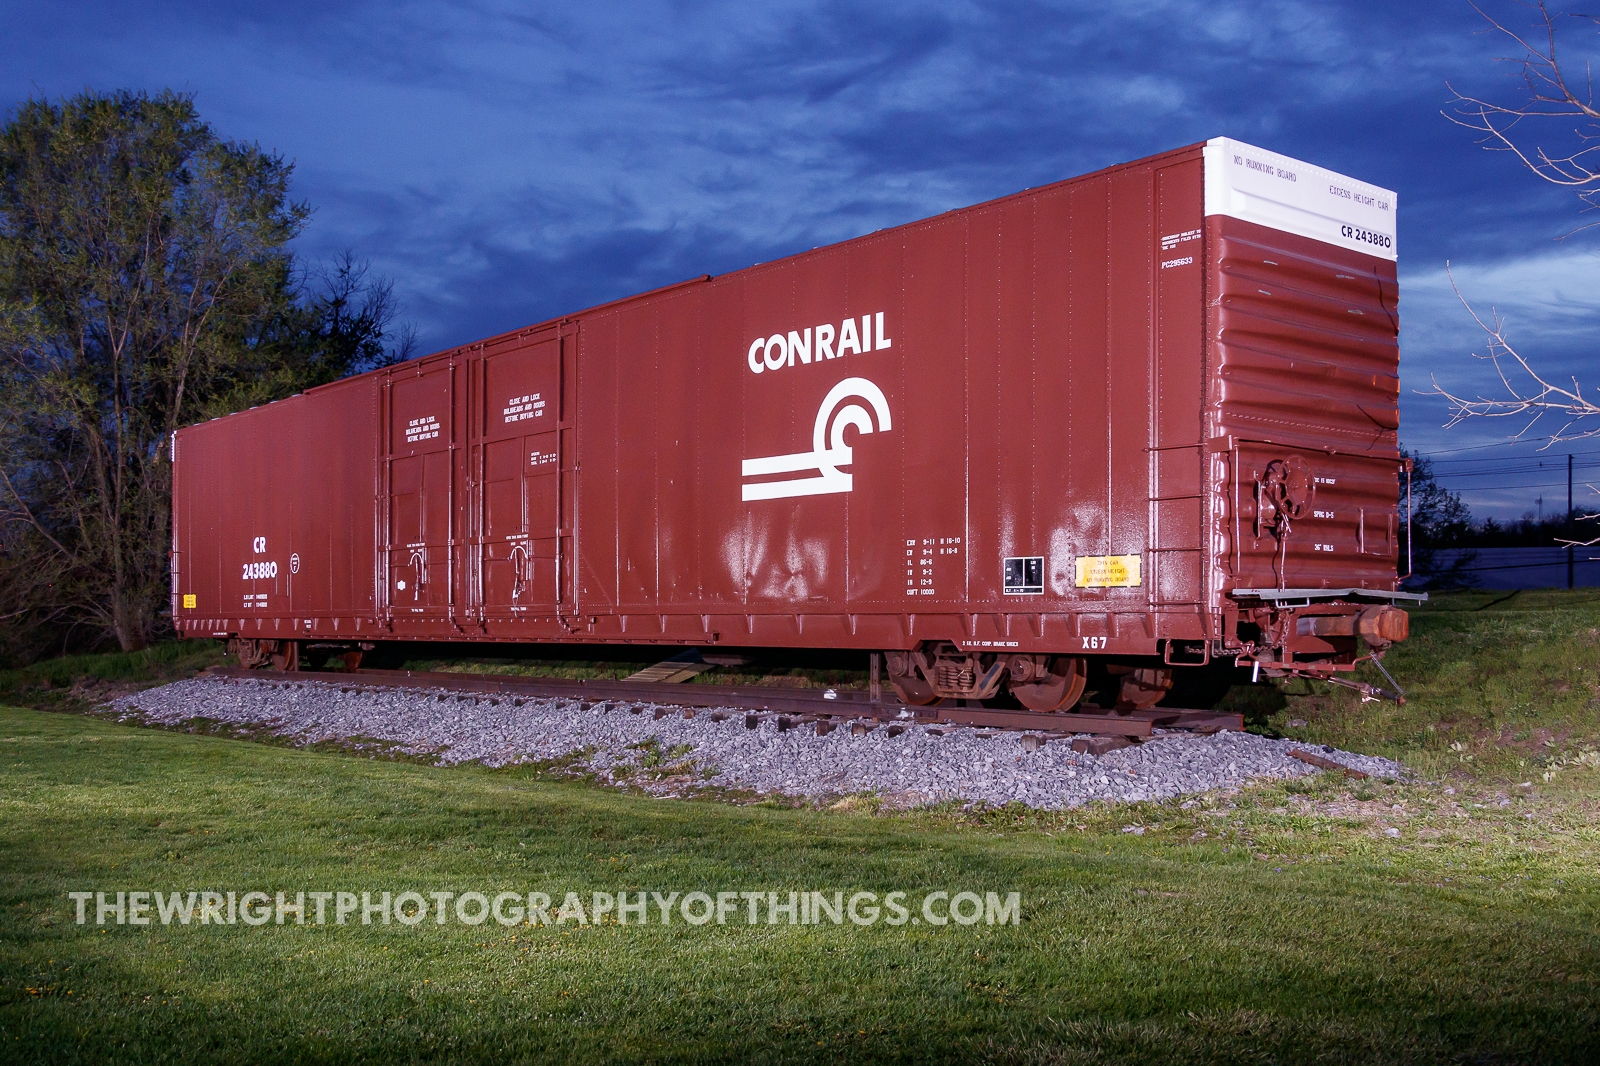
1303, 332
996, 444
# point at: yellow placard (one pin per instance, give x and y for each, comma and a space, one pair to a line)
1107, 571
189, 601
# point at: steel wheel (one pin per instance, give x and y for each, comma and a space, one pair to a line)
250, 653
1143, 688
1058, 688
914, 691
286, 656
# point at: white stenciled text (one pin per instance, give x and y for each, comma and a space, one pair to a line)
818, 343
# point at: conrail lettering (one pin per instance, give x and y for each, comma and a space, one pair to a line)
782, 349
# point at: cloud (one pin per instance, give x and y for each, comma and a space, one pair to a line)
507, 162
1550, 306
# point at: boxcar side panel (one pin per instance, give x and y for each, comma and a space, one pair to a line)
637, 432
681, 457
874, 428
1178, 501
599, 488
1128, 373
720, 308
872, 516
273, 516
940, 475
1056, 467
1012, 471
1086, 449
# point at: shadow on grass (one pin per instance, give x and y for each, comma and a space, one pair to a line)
1258, 703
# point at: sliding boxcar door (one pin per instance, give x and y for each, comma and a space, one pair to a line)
421, 495
517, 545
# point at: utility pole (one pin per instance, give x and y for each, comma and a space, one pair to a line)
1569, 519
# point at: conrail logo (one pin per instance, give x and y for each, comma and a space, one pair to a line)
783, 349
828, 450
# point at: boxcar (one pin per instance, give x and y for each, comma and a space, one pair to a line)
1147, 415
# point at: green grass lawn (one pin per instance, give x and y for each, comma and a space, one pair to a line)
1287, 933
1280, 924
1500, 685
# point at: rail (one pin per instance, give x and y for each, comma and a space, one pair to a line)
827, 707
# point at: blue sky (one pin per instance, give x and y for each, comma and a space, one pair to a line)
505, 163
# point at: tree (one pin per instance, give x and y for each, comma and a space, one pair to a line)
1524, 127
145, 282
1439, 521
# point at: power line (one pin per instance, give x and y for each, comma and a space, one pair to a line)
1522, 466
1490, 488
1480, 447
1479, 484
1562, 562
1525, 458
1521, 472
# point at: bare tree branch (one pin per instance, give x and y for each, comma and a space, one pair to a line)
1583, 518
28, 514
1547, 91
1528, 393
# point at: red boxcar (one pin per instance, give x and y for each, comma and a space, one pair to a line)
1148, 414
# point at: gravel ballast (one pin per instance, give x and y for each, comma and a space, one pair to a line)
673, 754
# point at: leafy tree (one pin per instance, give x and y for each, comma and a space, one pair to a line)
1439, 520
145, 283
